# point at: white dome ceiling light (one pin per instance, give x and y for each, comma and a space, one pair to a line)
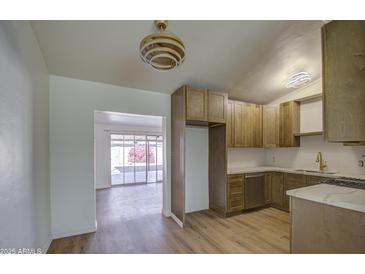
298, 79
162, 50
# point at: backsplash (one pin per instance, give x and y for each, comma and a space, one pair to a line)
246, 157
343, 159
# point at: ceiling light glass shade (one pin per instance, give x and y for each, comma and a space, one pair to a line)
298, 79
162, 50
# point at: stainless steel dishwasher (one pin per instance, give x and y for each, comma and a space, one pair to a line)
254, 190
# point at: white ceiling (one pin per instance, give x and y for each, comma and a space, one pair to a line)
251, 60
116, 118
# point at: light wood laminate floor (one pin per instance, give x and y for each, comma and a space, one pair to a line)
130, 221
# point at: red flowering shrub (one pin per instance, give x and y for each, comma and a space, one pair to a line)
138, 154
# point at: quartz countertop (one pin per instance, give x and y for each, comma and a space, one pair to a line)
344, 197
242, 170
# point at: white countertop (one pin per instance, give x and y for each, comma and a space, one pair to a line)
242, 170
344, 197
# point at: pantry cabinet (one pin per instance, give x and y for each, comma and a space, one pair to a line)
196, 104
229, 123
217, 106
289, 124
343, 53
270, 126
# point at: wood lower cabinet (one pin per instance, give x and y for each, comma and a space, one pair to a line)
270, 126
235, 196
315, 180
277, 190
343, 53
289, 124
268, 188
217, 107
292, 181
229, 123
196, 104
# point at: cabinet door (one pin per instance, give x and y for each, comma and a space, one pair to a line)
343, 51
292, 181
277, 189
268, 177
257, 125
238, 124
270, 127
289, 124
196, 104
230, 124
235, 193
247, 126
217, 106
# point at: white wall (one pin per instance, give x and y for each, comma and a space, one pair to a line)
196, 169
72, 105
24, 140
102, 148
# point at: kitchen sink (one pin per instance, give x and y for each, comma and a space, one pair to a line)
315, 171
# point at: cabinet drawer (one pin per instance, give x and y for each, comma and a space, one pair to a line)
235, 188
235, 178
295, 178
235, 202
315, 180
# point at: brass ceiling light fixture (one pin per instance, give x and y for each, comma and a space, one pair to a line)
162, 50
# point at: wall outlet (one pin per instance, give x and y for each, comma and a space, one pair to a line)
273, 158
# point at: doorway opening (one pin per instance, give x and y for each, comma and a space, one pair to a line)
130, 167
136, 158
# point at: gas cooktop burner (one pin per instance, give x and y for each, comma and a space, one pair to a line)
347, 182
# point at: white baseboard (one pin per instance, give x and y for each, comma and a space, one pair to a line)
57, 235
177, 220
166, 213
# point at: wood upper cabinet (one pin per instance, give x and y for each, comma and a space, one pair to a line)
196, 101
230, 123
257, 125
238, 113
217, 106
247, 125
289, 124
277, 189
343, 53
270, 126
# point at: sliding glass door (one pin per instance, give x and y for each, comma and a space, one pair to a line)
136, 159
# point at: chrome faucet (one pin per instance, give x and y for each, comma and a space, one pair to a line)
322, 163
